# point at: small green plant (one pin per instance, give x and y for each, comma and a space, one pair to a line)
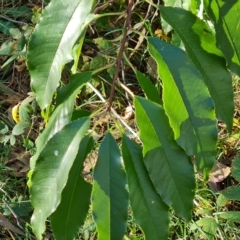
231, 193
154, 169
15, 46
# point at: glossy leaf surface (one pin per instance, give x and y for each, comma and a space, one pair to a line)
51, 172
200, 44
149, 210
226, 19
51, 44
169, 167
187, 103
75, 201
110, 197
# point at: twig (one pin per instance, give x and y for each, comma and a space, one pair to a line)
120, 54
13, 213
126, 89
11, 234
123, 86
12, 20
113, 111
135, 4
148, 12
124, 80
156, 11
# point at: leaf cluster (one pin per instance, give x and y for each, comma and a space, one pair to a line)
148, 156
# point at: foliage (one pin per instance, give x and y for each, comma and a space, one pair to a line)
232, 193
215, 213
176, 114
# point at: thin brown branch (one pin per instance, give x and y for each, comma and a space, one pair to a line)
120, 54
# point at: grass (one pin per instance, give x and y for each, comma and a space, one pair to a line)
14, 197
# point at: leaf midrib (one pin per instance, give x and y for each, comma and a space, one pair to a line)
170, 170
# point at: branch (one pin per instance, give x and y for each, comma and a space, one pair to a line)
120, 54
12, 20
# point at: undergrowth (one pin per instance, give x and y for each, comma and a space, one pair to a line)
17, 21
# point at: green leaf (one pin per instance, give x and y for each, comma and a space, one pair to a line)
226, 19
232, 193
2, 126
98, 62
79, 113
24, 110
62, 114
236, 168
75, 201
12, 140
5, 26
15, 33
149, 89
233, 216
222, 200
19, 128
110, 197
169, 167
187, 103
209, 226
173, 3
76, 52
149, 211
50, 45
7, 49
77, 81
200, 44
51, 172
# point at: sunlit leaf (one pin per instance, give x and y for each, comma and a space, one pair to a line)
51, 172
209, 227
226, 19
50, 46
63, 112
110, 197
149, 210
75, 201
187, 103
200, 44
169, 167
233, 216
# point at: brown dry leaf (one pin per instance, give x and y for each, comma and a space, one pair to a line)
218, 174
89, 164
18, 161
6, 224
20, 67
18, 153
